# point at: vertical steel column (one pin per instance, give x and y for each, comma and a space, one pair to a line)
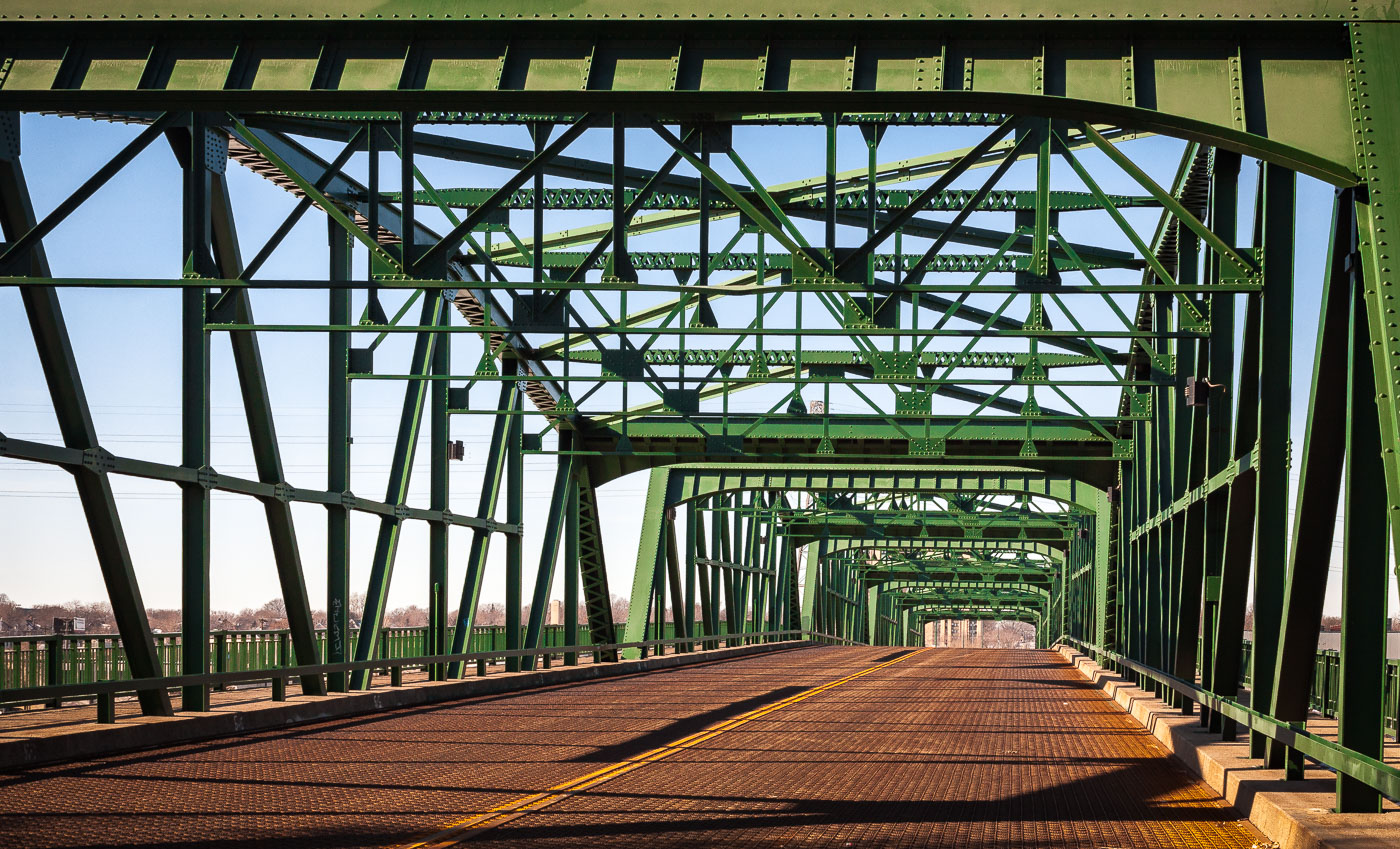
673, 575
1203, 442
764, 585
373, 310
338, 460
1103, 563
75, 424
648, 575
406, 182
1239, 527
506, 405
1375, 96
872, 134
657, 599
1365, 584
1127, 560
1224, 223
549, 546
257, 406
571, 572
1271, 516
593, 571
712, 624
747, 590
1189, 438
438, 494
1319, 485
1138, 577
724, 526
706, 578
1042, 217
539, 135
829, 193
703, 312
1158, 596
811, 586
689, 543
515, 515
400, 473
620, 264
792, 601
771, 586
197, 260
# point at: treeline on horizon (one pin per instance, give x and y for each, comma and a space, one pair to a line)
18, 619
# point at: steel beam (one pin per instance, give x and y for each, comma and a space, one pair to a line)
75, 424
1275, 386
1319, 484
338, 461
1365, 584
507, 406
400, 471
197, 260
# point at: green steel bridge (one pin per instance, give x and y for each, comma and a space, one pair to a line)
1030, 373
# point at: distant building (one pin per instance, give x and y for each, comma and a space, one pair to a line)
555, 615
69, 625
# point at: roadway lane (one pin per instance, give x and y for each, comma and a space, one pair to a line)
378, 780
947, 748
943, 747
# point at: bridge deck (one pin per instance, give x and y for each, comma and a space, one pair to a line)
942, 747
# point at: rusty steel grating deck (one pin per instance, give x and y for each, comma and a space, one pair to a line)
942, 747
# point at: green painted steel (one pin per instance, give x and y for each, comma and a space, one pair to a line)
47, 659
856, 418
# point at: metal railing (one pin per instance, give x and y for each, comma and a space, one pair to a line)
1329, 753
106, 692
48, 659
1323, 697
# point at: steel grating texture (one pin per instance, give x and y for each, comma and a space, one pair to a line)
940, 747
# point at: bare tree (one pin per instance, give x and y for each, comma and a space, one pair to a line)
491, 614
620, 607
412, 616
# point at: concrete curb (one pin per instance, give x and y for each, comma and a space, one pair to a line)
136, 733
1296, 817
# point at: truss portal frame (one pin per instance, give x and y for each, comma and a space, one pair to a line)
1152, 513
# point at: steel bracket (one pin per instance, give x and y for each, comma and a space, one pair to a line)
99, 460
9, 134
928, 446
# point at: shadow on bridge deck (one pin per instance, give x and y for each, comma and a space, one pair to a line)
815, 747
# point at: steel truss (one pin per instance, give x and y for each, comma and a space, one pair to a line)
857, 416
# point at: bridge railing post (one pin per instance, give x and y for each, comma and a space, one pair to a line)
221, 657
53, 662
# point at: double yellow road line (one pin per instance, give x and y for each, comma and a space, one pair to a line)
463, 830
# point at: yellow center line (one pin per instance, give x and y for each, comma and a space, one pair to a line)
461, 830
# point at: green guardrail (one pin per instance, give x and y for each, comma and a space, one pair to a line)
1369, 771
51, 659
105, 693
1326, 684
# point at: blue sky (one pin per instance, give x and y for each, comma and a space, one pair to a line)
127, 347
